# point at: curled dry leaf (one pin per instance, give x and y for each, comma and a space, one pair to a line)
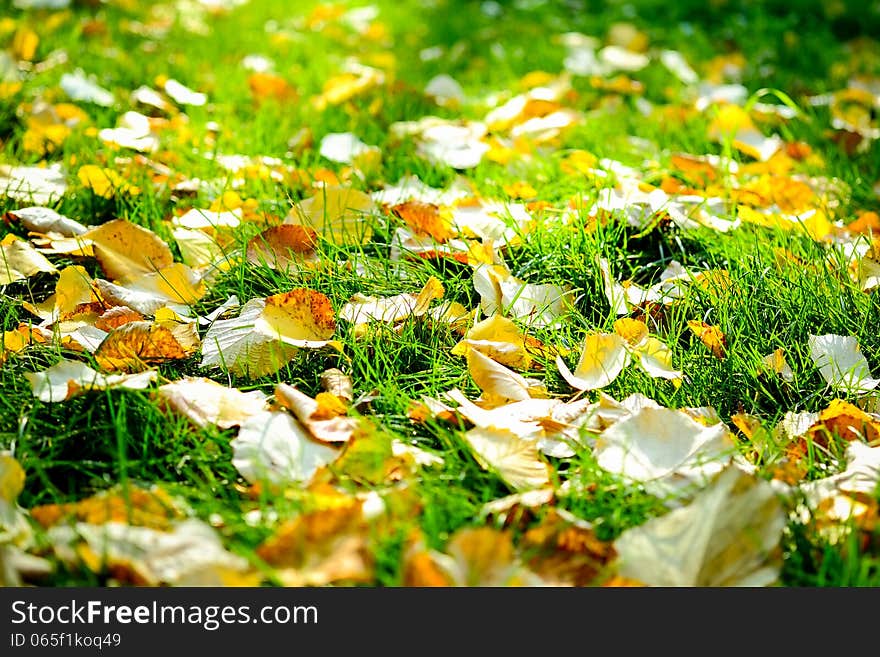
272, 446
602, 359
841, 363
498, 383
500, 339
711, 336
336, 382
728, 535
136, 344
516, 460
176, 286
42, 220
69, 378
19, 260
268, 332
535, 304
324, 417
206, 402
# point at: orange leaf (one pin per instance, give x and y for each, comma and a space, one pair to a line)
711, 336
425, 219
135, 344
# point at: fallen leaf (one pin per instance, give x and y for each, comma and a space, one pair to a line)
336, 213
841, 363
208, 403
329, 425
425, 219
268, 332
603, 357
515, 460
272, 446
665, 450
19, 260
142, 507
134, 345
39, 185
68, 378
729, 535
126, 251
711, 336
105, 182
188, 554
328, 546
362, 309
281, 246
43, 220
501, 339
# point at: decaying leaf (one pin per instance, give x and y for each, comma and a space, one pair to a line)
69, 378
206, 402
728, 535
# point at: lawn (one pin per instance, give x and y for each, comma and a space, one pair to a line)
439, 293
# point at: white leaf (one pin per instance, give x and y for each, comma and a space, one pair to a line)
727, 536
841, 363
69, 378
273, 446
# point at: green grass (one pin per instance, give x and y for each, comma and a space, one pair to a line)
105, 440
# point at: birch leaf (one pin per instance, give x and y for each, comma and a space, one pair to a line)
664, 449
126, 251
268, 332
19, 260
323, 421
602, 359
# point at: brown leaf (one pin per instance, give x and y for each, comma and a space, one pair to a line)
280, 246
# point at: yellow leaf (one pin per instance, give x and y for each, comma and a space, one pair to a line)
19, 260
134, 345
24, 44
126, 251
105, 182
602, 359
425, 219
336, 213
280, 246
711, 336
